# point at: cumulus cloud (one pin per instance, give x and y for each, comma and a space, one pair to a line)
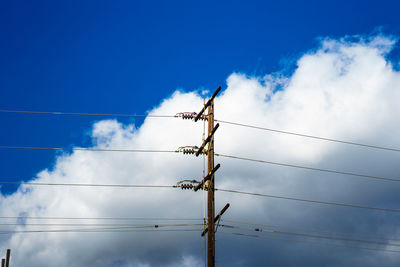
345, 89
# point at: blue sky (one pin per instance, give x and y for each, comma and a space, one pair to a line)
126, 57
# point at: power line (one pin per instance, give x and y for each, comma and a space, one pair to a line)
313, 230
222, 121
311, 236
89, 149
219, 189
85, 114
311, 168
90, 185
309, 242
102, 229
129, 225
100, 218
109, 226
309, 201
311, 136
98, 231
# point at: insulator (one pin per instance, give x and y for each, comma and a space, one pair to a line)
190, 116
191, 150
186, 115
185, 149
186, 186
188, 151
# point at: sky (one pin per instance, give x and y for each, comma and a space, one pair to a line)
324, 69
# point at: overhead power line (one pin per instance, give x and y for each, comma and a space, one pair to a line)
89, 149
313, 230
98, 231
90, 185
217, 189
311, 236
99, 218
85, 114
222, 121
310, 242
311, 168
129, 225
311, 136
109, 226
139, 228
223, 220
309, 200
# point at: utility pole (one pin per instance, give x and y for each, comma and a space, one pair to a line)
8, 258
6, 262
208, 181
210, 177
210, 189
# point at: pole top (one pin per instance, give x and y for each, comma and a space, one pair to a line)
207, 104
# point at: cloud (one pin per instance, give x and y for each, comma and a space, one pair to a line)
345, 89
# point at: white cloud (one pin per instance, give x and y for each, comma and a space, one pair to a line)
344, 90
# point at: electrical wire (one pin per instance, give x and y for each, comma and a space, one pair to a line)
90, 185
85, 114
99, 231
310, 242
100, 218
129, 225
313, 230
217, 189
87, 149
311, 136
311, 236
222, 121
310, 201
111, 227
311, 168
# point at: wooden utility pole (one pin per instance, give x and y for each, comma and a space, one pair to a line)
210, 189
8, 258
6, 262
209, 179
